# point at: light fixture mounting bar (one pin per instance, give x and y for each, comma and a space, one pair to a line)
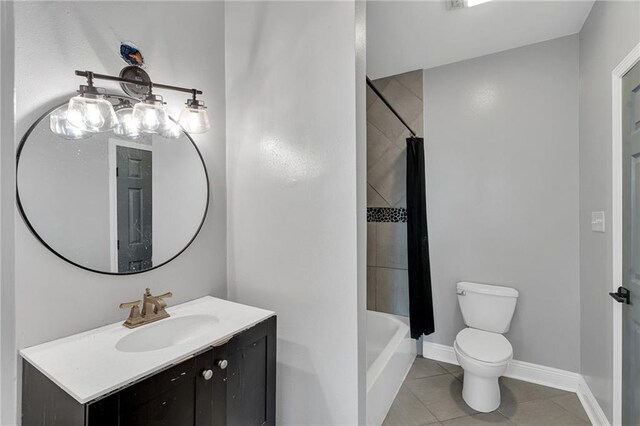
92, 75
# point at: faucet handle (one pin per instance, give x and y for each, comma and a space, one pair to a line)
134, 319
130, 304
161, 303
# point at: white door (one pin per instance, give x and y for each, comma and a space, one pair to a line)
629, 293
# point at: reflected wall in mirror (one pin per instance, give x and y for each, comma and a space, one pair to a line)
110, 204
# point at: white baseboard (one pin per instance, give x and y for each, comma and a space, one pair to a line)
534, 373
590, 404
438, 352
542, 375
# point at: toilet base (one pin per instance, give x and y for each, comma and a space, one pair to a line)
480, 386
481, 393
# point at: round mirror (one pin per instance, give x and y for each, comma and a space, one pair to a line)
108, 203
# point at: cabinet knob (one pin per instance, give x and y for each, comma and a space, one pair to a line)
207, 374
223, 364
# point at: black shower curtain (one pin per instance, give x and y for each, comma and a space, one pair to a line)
420, 298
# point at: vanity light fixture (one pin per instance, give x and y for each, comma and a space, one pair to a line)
127, 128
193, 117
59, 125
91, 111
150, 115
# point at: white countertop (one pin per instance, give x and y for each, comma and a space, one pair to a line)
88, 365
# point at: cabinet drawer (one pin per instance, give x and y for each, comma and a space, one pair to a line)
174, 377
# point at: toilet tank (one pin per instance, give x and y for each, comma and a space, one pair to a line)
487, 307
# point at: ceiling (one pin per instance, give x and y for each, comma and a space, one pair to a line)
408, 35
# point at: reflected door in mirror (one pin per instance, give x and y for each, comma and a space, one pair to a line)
135, 208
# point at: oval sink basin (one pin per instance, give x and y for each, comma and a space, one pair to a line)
167, 332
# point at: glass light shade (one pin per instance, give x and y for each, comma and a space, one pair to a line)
194, 119
59, 125
171, 131
150, 116
91, 113
127, 127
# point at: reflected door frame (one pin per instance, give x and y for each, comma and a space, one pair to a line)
113, 194
617, 208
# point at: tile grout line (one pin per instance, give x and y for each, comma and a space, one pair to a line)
373, 187
563, 408
401, 269
411, 91
446, 372
405, 88
376, 191
419, 400
380, 130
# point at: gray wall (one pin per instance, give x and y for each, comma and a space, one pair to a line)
296, 199
387, 279
53, 298
502, 185
608, 35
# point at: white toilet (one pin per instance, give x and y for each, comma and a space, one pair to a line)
482, 351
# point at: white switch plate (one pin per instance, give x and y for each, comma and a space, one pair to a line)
597, 221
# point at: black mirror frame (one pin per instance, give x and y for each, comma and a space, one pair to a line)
23, 214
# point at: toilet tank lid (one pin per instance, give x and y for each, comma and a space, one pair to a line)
494, 290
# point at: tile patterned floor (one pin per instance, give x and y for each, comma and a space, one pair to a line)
432, 395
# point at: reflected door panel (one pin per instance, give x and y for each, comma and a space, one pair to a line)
135, 206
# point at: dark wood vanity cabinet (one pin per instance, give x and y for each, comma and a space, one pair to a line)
240, 390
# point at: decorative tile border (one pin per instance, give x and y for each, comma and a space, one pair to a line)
386, 214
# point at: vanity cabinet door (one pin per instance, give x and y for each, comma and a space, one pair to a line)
251, 376
180, 395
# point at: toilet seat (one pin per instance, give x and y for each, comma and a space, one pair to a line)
484, 346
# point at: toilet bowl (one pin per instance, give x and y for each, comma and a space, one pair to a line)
481, 349
484, 358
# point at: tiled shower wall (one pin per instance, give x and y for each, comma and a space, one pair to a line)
387, 281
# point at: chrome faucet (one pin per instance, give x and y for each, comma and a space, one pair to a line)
153, 309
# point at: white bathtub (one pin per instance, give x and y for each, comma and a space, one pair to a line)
390, 354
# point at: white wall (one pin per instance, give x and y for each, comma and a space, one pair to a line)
179, 196
58, 176
502, 181
408, 35
609, 34
8, 362
361, 199
53, 39
295, 202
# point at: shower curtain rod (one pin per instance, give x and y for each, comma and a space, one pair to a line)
382, 98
